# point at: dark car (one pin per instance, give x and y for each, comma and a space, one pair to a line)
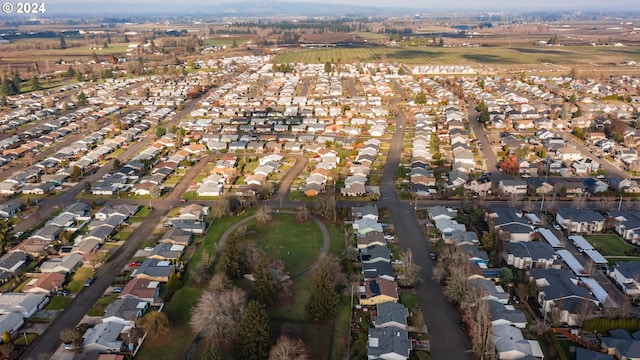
89, 281
433, 256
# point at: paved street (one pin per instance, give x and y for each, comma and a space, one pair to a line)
448, 341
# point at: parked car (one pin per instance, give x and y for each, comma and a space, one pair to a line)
433, 256
89, 281
116, 290
63, 292
557, 227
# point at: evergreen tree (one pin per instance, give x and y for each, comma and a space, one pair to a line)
211, 353
324, 298
420, 98
16, 80
71, 72
253, 333
264, 285
35, 83
174, 283
81, 99
231, 258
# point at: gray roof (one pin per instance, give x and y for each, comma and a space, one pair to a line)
373, 270
499, 311
104, 337
629, 269
167, 251
153, 268
622, 340
375, 252
561, 285
361, 211
126, 308
531, 249
580, 215
490, 288
12, 261
388, 340
391, 312
632, 218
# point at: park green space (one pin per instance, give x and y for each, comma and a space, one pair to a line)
609, 244
285, 233
297, 244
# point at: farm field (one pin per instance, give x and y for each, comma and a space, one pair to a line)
609, 244
518, 54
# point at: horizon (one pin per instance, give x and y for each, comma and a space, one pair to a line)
226, 7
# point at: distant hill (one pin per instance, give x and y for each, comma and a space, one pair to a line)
240, 9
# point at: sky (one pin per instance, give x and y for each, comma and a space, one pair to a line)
614, 5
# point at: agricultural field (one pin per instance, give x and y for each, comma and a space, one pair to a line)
517, 54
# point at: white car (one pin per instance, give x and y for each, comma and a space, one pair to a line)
557, 227
526, 176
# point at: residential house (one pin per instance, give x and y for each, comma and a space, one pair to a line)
143, 289
510, 223
365, 225
530, 254
627, 225
24, 304
13, 262
514, 187
35, 248
627, 275
10, 209
370, 238
167, 251
104, 338
154, 270
388, 343
377, 291
64, 265
622, 344
45, 284
375, 253
511, 344
190, 226
504, 314
367, 211
595, 186
580, 220
380, 269
176, 236
11, 322
125, 310
560, 289
441, 212
391, 314
193, 212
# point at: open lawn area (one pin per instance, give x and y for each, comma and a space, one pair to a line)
275, 237
297, 244
79, 277
609, 244
57, 302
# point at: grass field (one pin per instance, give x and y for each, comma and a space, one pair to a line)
521, 54
296, 244
79, 277
609, 244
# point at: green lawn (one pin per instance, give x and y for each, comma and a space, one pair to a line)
298, 245
100, 305
609, 244
613, 260
79, 277
57, 302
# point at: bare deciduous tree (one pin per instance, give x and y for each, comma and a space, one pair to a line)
217, 313
289, 348
263, 215
409, 269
